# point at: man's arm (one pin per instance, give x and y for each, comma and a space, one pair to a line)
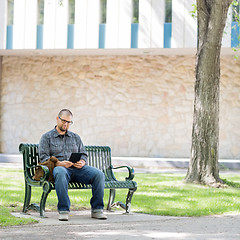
83, 151
44, 149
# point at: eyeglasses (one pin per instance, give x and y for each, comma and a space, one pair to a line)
65, 121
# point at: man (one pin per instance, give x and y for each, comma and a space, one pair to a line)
60, 142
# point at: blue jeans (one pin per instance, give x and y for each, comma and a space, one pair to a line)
85, 175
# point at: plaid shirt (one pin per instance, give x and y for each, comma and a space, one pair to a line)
60, 146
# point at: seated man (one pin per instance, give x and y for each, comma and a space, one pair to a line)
61, 143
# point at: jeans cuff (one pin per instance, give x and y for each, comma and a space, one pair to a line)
63, 212
97, 210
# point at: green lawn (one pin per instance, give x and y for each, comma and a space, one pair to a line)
160, 194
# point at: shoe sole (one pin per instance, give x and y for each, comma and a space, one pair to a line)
63, 219
100, 218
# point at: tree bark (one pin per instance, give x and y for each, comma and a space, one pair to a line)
203, 165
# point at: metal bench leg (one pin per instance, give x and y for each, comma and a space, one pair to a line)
27, 197
129, 199
112, 193
42, 203
46, 190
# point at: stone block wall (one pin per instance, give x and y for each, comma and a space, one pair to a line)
138, 105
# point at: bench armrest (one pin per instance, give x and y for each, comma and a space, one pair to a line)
130, 172
45, 173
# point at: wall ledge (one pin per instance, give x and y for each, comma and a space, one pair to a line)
106, 52
99, 52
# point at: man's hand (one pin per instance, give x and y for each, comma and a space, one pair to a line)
79, 164
65, 164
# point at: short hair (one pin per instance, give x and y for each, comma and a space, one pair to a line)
67, 111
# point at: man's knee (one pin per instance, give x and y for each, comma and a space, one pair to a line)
59, 172
100, 176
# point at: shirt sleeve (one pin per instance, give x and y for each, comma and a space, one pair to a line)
83, 151
44, 149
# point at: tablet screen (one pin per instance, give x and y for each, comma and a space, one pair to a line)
75, 157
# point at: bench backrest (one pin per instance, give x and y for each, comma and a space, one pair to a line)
98, 156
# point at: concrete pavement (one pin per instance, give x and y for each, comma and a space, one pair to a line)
120, 227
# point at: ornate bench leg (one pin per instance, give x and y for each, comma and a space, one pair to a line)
129, 199
27, 197
112, 193
46, 190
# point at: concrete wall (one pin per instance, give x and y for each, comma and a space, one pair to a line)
138, 105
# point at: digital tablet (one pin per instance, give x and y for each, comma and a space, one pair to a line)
75, 157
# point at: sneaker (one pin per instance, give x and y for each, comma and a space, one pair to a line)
99, 215
63, 216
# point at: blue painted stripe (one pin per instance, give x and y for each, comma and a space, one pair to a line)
167, 35
39, 36
134, 35
235, 35
9, 44
70, 38
102, 32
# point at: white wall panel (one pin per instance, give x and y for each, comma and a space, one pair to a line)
3, 23
190, 25
157, 24
18, 24
226, 41
184, 26
144, 34
55, 24
30, 31
112, 24
177, 40
125, 20
93, 20
49, 24
151, 23
87, 18
61, 24
118, 27
80, 30
24, 24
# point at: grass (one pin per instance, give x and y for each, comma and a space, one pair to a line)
7, 219
169, 195
159, 194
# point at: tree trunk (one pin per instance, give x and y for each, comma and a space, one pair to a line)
203, 166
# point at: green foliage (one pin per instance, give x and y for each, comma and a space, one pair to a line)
168, 11
71, 15
235, 18
235, 11
135, 11
60, 2
194, 11
40, 19
10, 12
103, 14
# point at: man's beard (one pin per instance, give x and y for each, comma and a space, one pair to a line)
62, 129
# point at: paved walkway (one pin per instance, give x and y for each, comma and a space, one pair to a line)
119, 226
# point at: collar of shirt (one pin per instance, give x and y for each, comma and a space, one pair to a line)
57, 134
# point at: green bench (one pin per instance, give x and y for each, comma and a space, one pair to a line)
98, 156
